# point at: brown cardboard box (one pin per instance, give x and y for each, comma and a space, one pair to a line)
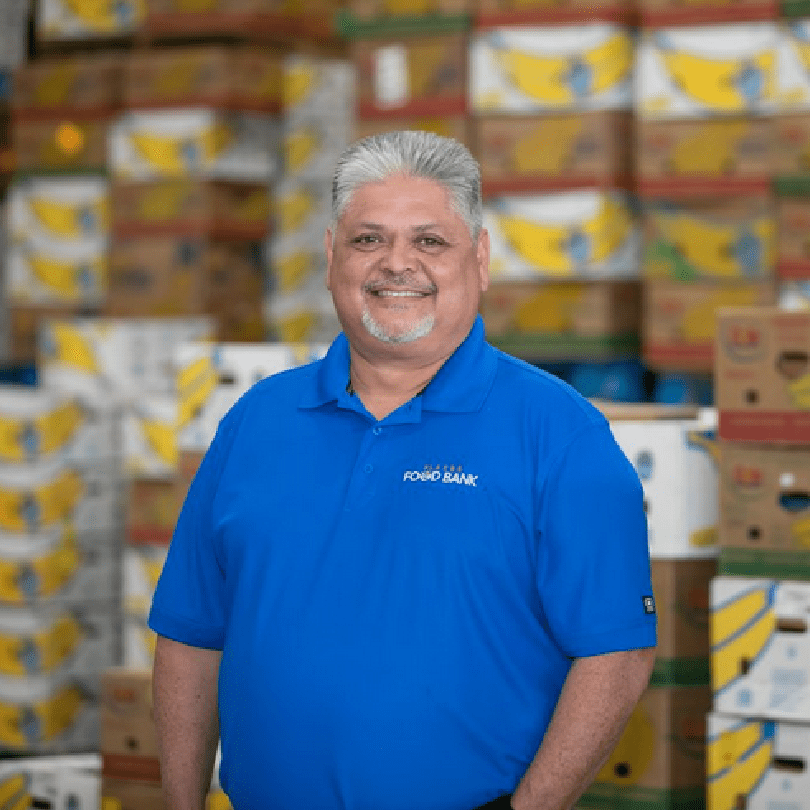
660, 759
60, 144
152, 510
190, 207
793, 225
676, 12
128, 742
126, 794
546, 153
700, 158
384, 9
69, 86
188, 462
457, 126
25, 325
710, 239
418, 76
762, 375
765, 509
241, 321
235, 77
681, 590
563, 319
496, 13
219, 17
182, 276
679, 320
792, 152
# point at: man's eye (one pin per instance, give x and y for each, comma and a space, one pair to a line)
366, 239
430, 241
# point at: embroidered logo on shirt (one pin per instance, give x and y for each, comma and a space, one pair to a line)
441, 473
649, 604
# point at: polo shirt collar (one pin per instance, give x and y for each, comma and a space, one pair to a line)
460, 385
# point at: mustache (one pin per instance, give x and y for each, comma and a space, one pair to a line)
405, 280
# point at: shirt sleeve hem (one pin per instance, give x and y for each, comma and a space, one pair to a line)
210, 638
629, 638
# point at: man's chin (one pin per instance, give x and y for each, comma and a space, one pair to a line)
396, 334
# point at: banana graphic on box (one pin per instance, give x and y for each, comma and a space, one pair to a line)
67, 346
732, 84
799, 391
291, 271
195, 383
568, 79
299, 147
548, 310
736, 761
26, 511
710, 150
296, 327
544, 151
14, 793
105, 16
26, 440
39, 653
71, 221
740, 630
54, 87
161, 439
41, 721
298, 81
69, 280
292, 210
178, 156
565, 250
699, 323
633, 753
23, 582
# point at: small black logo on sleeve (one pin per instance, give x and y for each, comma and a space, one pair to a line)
649, 604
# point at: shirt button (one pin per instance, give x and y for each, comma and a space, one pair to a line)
376, 430
369, 468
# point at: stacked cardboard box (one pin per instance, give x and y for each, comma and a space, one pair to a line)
706, 91
550, 87
659, 761
759, 729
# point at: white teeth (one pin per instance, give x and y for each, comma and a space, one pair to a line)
400, 293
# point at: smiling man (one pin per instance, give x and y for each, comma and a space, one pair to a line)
413, 575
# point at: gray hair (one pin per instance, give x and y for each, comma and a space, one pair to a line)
414, 154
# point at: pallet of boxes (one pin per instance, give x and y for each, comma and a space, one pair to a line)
659, 760
759, 727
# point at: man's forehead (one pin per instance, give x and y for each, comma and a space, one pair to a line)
397, 192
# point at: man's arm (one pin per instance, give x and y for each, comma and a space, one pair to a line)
596, 702
184, 685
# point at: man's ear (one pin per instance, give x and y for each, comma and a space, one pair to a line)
329, 250
482, 259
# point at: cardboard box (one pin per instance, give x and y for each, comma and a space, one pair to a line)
761, 648
152, 510
190, 208
660, 758
70, 85
707, 71
728, 239
533, 70
764, 498
61, 20
679, 321
139, 643
221, 18
60, 145
681, 590
194, 143
794, 61
303, 316
310, 148
149, 437
243, 77
419, 76
676, 461
142, 565
492, 13
705, 157
25, 323
301, 209
657, 13
375, 10
761, 375
564, 320
70, 780
793, 245
530, 153
792, 154
755, 763
126, 794
317, 87
450, 126
793, 294
152, 276
579, 234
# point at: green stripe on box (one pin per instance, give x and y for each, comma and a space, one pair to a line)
792, 186
568, 347
601, 796
764, 563
795, 8
406, 26
681, 672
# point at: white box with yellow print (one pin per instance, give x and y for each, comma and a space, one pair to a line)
705, 71
793, 66
568, 235
149, 437
142, 565
302, 210
544, 69
317, 87
311, 146
58, 565
67, 782
87, 19
108, 362
70, 209
676, 461
196, 143
45, 271
305, 315
297, 262
760, 637
212, 376
139, 643
756, 764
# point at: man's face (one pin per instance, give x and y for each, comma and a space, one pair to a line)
404, 273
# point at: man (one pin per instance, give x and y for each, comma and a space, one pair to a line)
413, 575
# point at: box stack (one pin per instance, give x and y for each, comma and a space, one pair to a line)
191, 160
551, 92
60, 519
68, 780
705, 95
58, 206
659, 761
759, 729
318, 103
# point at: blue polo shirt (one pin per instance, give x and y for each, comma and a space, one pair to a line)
398, 601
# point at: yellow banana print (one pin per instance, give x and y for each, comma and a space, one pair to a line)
543, 151
700, 322
26, 440
105, 16
727, 85
67, 346
23, 726
297, 327
300, 146
292, 210
800, 531
608, 230
799, 391
736, 760
710, 149
42, 577
298, 81
173, 156
162, 440
72, 221
636, 747
54, 87
194, 385
69, 280
290, 271
43, 652
739, 630
13, 792
548, 310
44, 506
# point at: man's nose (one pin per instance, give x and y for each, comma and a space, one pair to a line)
399, 256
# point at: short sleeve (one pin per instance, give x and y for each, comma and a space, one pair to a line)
188, 603
593, 559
